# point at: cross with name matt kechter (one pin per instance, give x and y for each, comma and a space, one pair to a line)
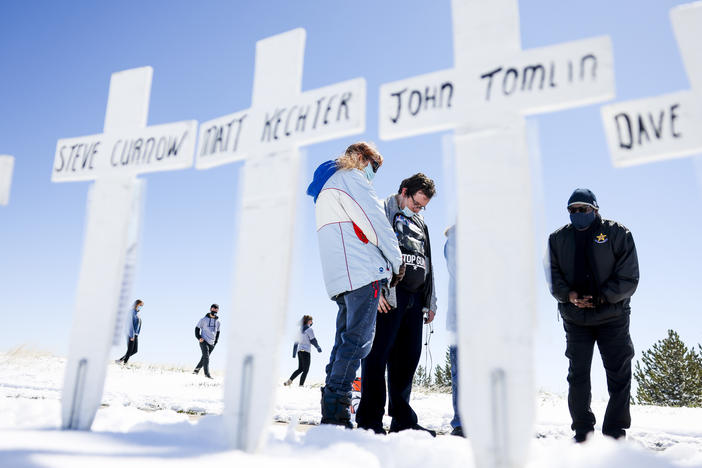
7, 164
268, 136
667, 126
112, 159
493, 84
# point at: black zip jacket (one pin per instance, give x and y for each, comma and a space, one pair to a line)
613, 262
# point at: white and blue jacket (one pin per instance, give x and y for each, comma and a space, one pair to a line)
134, 325
356, 242
208, 329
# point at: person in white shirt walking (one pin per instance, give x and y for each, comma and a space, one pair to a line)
207, 334
302, 349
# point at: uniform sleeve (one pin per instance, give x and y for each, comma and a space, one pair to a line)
554, 275
371, 219
197, 332
624, 279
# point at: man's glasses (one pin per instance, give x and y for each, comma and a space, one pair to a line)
579, 209
417, 205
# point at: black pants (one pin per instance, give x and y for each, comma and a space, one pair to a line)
617, 350
132, 348
397, 346
303, 366
206, 349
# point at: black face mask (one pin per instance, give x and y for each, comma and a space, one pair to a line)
582, 221
213, 312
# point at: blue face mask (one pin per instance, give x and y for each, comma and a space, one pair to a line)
138, 308
368, 170
582, 221
407, 212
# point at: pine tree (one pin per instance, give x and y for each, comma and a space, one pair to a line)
671, 374
420, 377
442, 377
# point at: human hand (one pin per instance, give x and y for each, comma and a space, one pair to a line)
429, 317
383, 305
584, 302
201, 340
397, 277
131, 339
319, 349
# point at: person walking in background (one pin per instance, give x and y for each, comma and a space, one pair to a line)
452, 327
303, 348
207, 334
133, 334
359, 254
402, 312
594, 271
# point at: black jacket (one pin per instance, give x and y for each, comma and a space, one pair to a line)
614, 265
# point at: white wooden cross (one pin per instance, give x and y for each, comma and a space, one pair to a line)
7, 163
667, 126
484, 98
113, 159
268, 135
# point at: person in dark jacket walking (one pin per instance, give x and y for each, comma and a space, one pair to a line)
594, 272
133, 334
302, 349
402, 311
207, 334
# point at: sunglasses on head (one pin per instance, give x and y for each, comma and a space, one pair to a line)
579, 209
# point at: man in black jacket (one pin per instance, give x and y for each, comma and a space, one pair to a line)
402, 311
594, 271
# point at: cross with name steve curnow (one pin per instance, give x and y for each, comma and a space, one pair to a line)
667, 126
267, 136
7, 163
493, 84
113, 159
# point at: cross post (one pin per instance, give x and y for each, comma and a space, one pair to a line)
113, 159
268, 136
493, 84
668, 126
7, 164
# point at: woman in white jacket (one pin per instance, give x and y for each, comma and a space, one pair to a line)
359, 253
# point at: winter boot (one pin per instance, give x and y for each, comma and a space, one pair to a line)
457, 431
335, 409
397, 428
287, 383
196, 371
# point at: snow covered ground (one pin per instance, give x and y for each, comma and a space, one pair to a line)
170, 417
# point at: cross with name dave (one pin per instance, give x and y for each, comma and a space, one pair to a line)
493, 84
668, 126
112, 159
268, 136
7, 164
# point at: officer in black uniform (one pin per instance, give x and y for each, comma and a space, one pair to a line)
594, 271
402, 311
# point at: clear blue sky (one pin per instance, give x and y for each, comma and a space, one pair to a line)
55, 63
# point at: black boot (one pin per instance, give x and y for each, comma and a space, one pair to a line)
396, 428
336, 409
581, 436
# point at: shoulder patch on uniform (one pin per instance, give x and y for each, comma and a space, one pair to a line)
601, 238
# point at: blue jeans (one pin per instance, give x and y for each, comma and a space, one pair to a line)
355, 325
453, 353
